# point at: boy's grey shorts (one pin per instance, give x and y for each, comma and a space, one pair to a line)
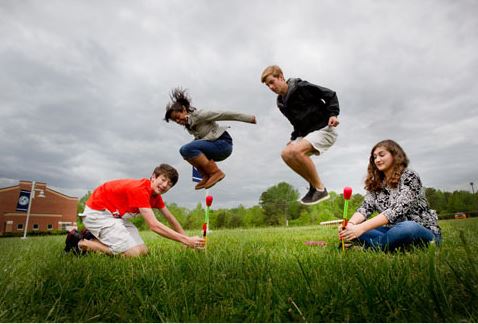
321, 139
118, 234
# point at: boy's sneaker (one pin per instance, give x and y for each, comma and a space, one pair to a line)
314, 196
71, 242
85, 234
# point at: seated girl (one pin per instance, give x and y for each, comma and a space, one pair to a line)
395, 191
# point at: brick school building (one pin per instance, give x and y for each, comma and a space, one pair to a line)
49, 210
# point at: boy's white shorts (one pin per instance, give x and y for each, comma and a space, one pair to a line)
321, 139
118, 234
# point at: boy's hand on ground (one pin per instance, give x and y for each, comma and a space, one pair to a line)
333, 121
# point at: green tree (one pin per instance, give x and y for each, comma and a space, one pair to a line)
254, 217
234, 217
462, 201
80, 207
219, 221
195, 218
180, 213
436, 200
279, 204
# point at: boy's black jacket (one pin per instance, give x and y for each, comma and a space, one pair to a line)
307, 106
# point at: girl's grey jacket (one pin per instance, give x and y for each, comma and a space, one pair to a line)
202, 123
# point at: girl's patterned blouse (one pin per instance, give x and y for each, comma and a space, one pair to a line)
406, 202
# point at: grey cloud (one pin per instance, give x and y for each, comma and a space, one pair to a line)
84, 86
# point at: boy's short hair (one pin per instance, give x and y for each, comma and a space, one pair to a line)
273, 70
167, 171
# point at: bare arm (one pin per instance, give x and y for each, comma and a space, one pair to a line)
172, 220
352, 231
161, 229
357, 218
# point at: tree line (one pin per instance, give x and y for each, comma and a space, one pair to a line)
278, 206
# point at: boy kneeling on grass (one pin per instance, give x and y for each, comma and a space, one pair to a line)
109, 207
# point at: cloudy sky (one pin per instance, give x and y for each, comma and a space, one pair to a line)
83, 86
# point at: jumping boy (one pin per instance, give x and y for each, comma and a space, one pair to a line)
312, 110
110, 206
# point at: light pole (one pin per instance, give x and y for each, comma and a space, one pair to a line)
41, 194
285, 204
472, 188
286, 207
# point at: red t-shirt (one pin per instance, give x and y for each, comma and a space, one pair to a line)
125, 196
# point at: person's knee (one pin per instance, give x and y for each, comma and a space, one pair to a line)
408, 226
185, 151
285, 154
289, 153
189, 151
142, 249
136, 251
94, 245
83, 245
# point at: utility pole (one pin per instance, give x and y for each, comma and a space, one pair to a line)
286, 207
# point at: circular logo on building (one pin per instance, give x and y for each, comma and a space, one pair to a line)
23, 200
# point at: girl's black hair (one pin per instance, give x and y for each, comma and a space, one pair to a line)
179, 100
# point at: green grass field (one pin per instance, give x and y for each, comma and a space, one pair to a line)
256, 275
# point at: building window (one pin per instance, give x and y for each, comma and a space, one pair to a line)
19, 227
50, 227
36, 227
64, 225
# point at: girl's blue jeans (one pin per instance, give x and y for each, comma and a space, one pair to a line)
216, 150
401, 235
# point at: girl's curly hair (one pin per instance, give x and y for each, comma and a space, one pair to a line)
180, 101
376, 180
